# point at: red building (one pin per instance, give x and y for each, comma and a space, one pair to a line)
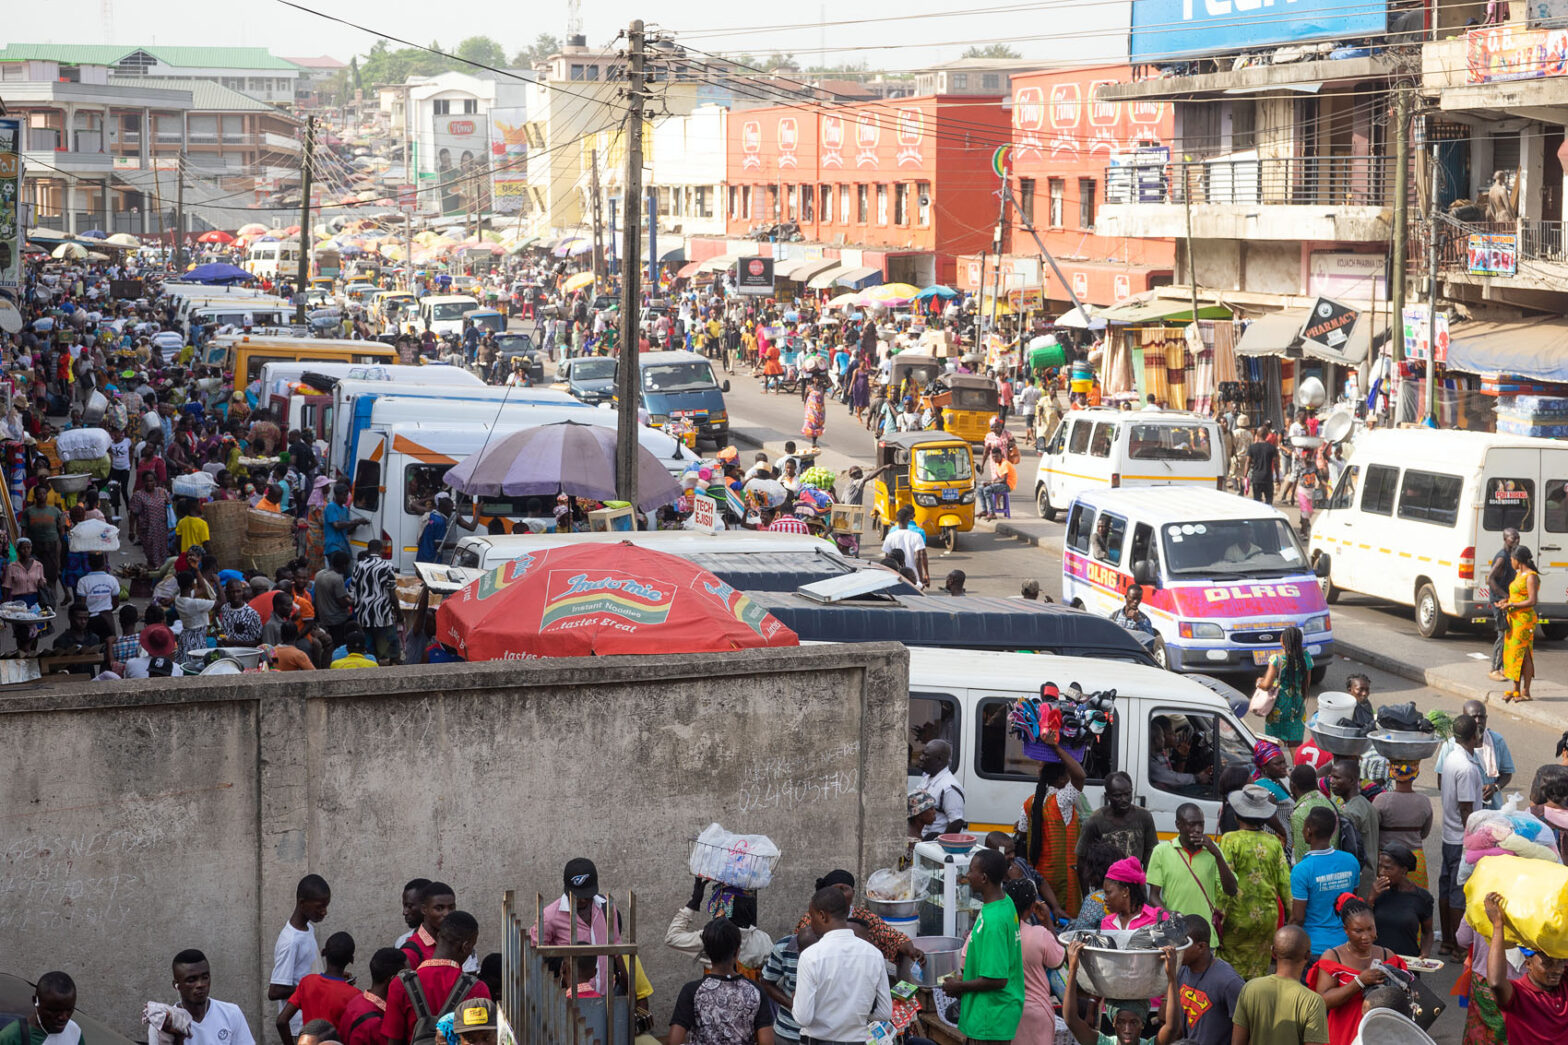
1064, 138
910, 179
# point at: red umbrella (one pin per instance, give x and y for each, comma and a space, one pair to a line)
598, 600
215, 236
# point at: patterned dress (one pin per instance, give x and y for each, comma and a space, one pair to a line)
1060, 825
1262, 895
1285, 721
1519, 642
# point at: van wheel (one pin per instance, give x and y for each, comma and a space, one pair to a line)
1555, 630
1042, 503
1431, 622
1318, 672
1157, 651
950, 538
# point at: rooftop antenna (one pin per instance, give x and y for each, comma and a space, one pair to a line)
106, 19
574, 18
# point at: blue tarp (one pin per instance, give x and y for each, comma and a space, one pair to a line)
215, 273
1534, 349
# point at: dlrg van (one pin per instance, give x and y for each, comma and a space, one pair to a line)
1417, 515
1093, 449
1222, 575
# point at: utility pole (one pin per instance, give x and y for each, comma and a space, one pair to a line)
598, 218
303, 271
1396, 275
179, 215
996, 248
1192, 266
1431, 299
627, 377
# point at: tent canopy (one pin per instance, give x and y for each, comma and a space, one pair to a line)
826, 277
1534, 349
1152, 309
1279, 334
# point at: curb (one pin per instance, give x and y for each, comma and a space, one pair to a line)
1434, 678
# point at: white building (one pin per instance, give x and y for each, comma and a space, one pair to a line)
250, 70
688, 171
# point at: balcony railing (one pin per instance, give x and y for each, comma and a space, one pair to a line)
1534, 240
1313, 181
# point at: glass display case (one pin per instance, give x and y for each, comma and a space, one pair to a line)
946, 906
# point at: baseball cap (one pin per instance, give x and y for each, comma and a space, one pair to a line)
475, 1014
581, 877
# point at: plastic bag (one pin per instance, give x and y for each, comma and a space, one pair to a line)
744, 861
888, 884
1537, 893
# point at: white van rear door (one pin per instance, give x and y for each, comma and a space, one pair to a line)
1513, 494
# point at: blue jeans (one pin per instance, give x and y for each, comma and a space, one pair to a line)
990, 491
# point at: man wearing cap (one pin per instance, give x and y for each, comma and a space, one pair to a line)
436, 978
580, 903
476, 1022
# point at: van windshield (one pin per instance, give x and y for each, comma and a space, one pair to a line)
1150, 442
676, 377
949, 464
1231, 547
593, 368
449, 310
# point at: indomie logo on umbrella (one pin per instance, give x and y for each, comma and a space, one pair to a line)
638, 602
745, 611
497, 580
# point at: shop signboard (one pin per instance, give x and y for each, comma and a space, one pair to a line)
10, 202
1414, 321
755, 276
1329, 325
509, 159
1514, 52
1165, 29
1493, 254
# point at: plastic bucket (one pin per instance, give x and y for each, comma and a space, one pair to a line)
1334, 708
1082, 377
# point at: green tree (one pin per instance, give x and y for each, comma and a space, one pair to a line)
544, 46
482, 49
992, 51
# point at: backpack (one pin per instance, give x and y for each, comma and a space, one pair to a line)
425, 1032
1350, 838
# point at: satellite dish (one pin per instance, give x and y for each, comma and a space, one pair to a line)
1338, 426
1310, 393
10, 318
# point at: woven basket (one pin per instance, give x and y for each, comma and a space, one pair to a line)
267, 524
226, 520
264, 555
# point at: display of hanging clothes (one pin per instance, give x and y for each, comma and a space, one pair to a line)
1177, 361
1155, 381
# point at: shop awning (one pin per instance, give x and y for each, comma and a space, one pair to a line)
824, 279
1152, 309
803, 271
1535, 349
859, 278
719, 264
688, 270
1273, 334
676, 253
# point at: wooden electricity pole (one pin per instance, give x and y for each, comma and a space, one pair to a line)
628, 385
303, 270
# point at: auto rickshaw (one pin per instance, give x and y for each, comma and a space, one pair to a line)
921, 369
932, 472
967, 404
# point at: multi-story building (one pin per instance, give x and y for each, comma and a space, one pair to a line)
899, 188
971, 76
687, 173
250, 70
315, 73
1065, 138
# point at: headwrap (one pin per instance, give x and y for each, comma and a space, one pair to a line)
919, 802
1401, 855
836, 878
1139, 1007
1128, 871
1264, 752
721, 902
1404, 770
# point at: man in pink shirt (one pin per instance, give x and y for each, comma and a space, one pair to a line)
581, 904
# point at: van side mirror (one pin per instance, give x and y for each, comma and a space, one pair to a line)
725, 387
1144, 573
1320, 565
1039, 444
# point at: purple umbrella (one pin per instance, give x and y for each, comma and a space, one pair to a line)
566, 457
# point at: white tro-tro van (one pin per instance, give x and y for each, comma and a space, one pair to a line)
1102, 447
1222, 575
1418, 514
963, 697
443, 313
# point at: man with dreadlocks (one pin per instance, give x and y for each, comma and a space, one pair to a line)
1053, 818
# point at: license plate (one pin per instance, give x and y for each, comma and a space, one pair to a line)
1261, 656
949, 495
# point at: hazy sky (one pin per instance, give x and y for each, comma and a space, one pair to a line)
285, 31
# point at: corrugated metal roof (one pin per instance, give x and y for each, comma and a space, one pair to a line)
205, 95
179, 57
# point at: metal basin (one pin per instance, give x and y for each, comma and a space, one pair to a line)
893, 908
1339, 740
73, 483
1119, 974
941, 958
1400, 746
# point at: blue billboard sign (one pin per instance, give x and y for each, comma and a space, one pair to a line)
1165, 30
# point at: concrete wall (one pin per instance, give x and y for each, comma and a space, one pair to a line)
146, 817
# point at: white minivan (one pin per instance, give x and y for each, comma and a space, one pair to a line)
1173, 734
1102, 447
1418, 514
1222, 575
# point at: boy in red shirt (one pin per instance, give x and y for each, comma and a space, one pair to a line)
322, 995
435, 978
360, 1023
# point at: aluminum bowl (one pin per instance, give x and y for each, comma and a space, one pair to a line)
1339, 740
893, 908
75, 483
1119, 974
941, 958
1400, 746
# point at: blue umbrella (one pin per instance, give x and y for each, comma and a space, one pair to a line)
267, 239
936, 290
216, 273
93, 234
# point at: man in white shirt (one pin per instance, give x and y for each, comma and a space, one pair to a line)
1462, 794
911, 541
213, 1022
294, 955
841, 982
935, 762
100, 590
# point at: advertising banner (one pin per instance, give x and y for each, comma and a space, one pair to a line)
10, 202
461, 150
509, 159
1493, 254
755, 276
1163, 29
1417, 346
1513, 52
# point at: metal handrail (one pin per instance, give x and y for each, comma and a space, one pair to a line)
533, 999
